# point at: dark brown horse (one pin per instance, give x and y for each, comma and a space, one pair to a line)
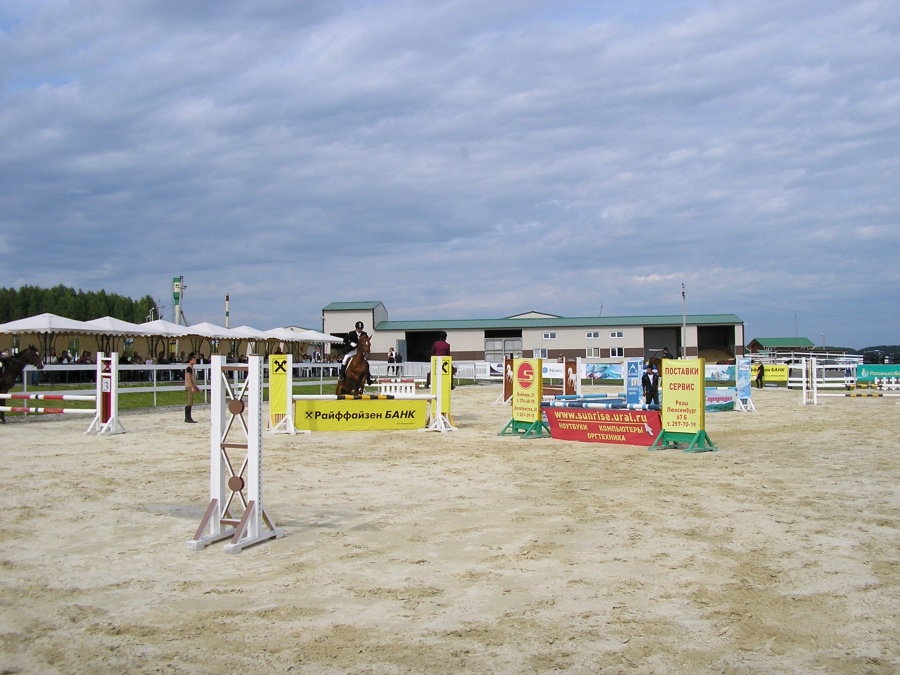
12, 368
357, 374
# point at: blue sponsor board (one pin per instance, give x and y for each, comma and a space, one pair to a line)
743, 378
633, 389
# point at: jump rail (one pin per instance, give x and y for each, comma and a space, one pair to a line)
106, 400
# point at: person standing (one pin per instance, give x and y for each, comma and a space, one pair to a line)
650, 385
190, 385
441, 347
760, 373
391, 359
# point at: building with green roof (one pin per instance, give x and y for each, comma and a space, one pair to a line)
780, 344
715, 337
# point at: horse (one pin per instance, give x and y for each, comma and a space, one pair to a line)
356, 375
655, 361
13, 367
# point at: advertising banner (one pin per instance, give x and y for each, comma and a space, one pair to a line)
552, 370
634, 368
720, 372
772, 373
744, 379
361, 415
683, 396
603, 371
720, 398
621, 427
526, 399
278, 383
442, 382
684, 406
867, 372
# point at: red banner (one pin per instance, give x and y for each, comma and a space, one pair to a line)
623, 427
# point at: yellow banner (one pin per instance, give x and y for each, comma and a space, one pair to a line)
358, 415
278, 382
771, 373
526, 398
683, 395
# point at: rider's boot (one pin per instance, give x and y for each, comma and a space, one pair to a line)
187, 415
343, 372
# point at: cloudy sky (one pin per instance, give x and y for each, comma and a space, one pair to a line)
462, 159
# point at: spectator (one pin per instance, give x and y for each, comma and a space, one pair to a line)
650, 385
391, 359
190, 386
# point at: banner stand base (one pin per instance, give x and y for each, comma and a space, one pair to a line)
526, 429
698, 442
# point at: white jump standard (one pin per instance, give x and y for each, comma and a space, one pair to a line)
229, 410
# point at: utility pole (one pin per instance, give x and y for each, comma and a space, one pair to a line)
683, 323
178, 295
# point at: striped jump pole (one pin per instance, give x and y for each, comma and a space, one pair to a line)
106, 400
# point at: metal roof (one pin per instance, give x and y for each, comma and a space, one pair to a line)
351, 306
560, 322
778, 343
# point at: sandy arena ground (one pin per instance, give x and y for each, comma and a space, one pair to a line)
464, 552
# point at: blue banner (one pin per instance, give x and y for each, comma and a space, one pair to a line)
743, 378
633, 389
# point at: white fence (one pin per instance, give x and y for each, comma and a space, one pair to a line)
157, 379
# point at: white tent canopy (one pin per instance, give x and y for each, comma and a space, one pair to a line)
211, 330
164, 328
301, 335
109, 325
108, 329
250, 333
48, 323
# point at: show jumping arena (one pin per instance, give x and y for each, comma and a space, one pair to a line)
456, 553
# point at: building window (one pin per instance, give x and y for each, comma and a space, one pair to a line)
540, 354
592, 351
616, 334
549, 336
592, 334
616, 351
497, 349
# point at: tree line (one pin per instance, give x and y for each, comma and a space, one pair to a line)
78, 305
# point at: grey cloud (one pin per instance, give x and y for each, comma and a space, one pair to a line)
504, 157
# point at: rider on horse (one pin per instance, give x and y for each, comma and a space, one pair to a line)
351, 342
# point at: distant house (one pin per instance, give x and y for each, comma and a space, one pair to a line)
794, 344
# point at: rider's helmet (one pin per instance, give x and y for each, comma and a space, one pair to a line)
359, 325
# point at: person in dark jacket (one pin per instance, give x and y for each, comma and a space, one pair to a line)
650, 385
